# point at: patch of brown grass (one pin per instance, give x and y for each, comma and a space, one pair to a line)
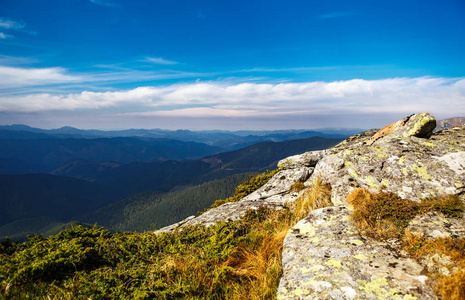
381, 215
449, 205
297, 187
317, 196
447, 286
260, 263
453, 286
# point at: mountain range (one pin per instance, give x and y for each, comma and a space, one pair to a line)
51, 177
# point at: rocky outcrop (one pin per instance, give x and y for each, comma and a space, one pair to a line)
324, 256
405, 164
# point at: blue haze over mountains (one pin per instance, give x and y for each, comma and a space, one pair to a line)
56, 176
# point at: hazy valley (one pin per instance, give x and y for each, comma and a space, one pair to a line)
52, 177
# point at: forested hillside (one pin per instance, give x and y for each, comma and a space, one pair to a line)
35, 203
152, 210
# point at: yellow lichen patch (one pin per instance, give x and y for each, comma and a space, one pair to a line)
306, 270
317, 268
401, 160
334, 263
381, 153
300, 292
405, 171
361, 256
356, 242
372, 182
307, 230
315, 240
422, 171
417, 126
353, 173
379, 287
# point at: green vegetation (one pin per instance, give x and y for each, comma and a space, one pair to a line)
231, 260
385, 215
152, 210
45, 226
247, 187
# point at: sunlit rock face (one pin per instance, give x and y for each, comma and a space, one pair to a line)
324, 255
412, 167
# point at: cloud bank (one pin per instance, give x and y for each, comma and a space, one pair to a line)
160, 61
401, 96
11, 77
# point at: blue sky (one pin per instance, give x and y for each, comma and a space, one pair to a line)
184, 64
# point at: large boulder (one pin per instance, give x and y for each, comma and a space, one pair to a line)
399, 160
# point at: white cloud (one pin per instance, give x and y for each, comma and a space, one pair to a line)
11, 77
15, 60
400, 96
160, 61
10, 24
4, 36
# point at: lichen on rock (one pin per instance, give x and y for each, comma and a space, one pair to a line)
325, 257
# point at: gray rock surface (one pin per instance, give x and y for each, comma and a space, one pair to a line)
412, 167
325, 257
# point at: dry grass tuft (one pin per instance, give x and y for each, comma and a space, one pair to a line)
381, 215
318, 196
449, 205
259, 264
453, 286
297, 187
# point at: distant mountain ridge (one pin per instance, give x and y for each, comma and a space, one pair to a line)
227, 140
45, 155
449, 123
